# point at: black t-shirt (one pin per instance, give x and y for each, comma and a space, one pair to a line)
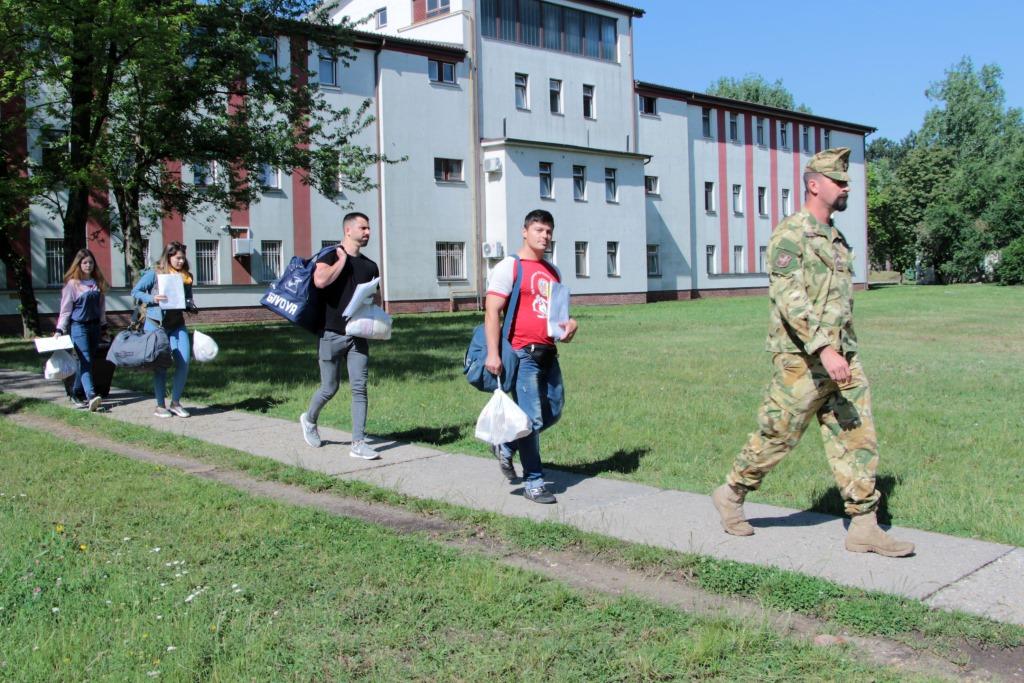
357, 270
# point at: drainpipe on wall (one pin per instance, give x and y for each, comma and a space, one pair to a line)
381, 204
632, 87
478, 182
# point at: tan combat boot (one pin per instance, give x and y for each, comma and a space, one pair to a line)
728, 501
865, 536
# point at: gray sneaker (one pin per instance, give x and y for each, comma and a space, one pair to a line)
78, 403
504, 464
309, 431
361, 449
161, 412
539, 494
94, 403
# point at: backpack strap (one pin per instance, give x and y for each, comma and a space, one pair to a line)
513, 301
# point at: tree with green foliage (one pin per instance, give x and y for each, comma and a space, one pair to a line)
755, 88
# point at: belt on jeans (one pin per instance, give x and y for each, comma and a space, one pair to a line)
542, 354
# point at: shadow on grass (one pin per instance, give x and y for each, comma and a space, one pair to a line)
436, 436
623, 462
15, 405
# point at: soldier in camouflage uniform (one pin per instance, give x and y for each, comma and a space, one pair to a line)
815, 367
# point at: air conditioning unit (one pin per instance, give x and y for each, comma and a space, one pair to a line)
241, 246
492, 165
493, 250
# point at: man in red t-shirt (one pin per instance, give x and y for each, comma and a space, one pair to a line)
538, 387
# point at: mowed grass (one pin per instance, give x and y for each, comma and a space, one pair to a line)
112, 569
666, 394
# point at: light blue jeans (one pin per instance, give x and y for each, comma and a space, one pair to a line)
540, 394
181, 352
86, 338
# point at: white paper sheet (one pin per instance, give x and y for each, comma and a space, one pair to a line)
173, 287
364, 293
47, 344
558, 310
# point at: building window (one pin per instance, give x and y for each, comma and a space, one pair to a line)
551, 26
54, 263
54, 147
806, 143
711, 260
613, 259
268, 53
828, 139
437, 7
204, 173
270, 260
760, 130
328, 68
648, 105
206, 262
447, 170
329, 243
737, 259
579, 183
785, 203
709, 197
705, 121
441, 72
734, 127
555, 95
588, 102
783, 134
270, 177
611, 186
549, 253
451, 260
737, 199
582, 262
546, 187
651, 185
653, 260
522, 91
381, 16
762, 201
762, 255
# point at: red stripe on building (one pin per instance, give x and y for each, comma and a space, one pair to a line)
302, 217
773, 142
240, 265
748, 130
817, 138
794, 194
172, 223
723, 194
17, 151
97, 232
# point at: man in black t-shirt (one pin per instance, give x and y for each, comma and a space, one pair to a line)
337, 274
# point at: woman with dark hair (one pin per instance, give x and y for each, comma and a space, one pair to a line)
174, 262
83, 307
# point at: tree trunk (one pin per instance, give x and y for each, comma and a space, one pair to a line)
17, 269
128, 207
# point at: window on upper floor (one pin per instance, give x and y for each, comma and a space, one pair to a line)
653, 260
651, 185
555, 95
760, 130
522, 91
805, 143
551, 26
611, 185
268, 53
762, 201
441, 72
827, 139
785, 203
709, 197
381, 17
270, 177
705, 122
579, 183
648, 105
589, 111
435, 7
204, 173
549, 253
783, 134
328, 68
447, 170
737, 199
546, 186
734, 127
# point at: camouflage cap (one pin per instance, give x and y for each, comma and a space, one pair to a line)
832, 163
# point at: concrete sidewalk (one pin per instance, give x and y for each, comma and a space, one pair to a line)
947, 572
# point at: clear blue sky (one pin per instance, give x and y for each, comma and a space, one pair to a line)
868, 62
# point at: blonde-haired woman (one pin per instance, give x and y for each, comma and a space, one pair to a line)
172, 261
83, 315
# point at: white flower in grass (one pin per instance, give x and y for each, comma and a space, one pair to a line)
159, 617
192, 596
171, 648
55, 609
153, 674
162, 585
154, 550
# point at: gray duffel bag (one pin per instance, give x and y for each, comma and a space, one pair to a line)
134, 349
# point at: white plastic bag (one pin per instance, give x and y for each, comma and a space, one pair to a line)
203, 347
370, 322
502, 420
60, 365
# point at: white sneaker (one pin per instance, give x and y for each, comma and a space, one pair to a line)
360, 449
178, 410
161, 412
94, 403
309, 431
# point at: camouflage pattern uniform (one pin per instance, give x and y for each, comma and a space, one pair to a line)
811, 294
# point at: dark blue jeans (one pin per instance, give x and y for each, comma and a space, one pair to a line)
540, 394
86, 338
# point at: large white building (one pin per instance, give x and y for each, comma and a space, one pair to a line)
501, 107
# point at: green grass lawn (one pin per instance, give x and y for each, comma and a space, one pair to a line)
112, 569
665, 394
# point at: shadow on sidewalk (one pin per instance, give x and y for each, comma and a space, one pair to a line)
624, 462
255, 404
435, 436
828, 505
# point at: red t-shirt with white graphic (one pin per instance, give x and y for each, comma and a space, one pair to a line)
531, 322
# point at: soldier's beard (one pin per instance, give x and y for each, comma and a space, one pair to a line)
840, 204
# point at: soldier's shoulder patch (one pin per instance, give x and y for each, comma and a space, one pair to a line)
785, 258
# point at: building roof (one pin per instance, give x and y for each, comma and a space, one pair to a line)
520, 142
617, 6
694, 97
380, 40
